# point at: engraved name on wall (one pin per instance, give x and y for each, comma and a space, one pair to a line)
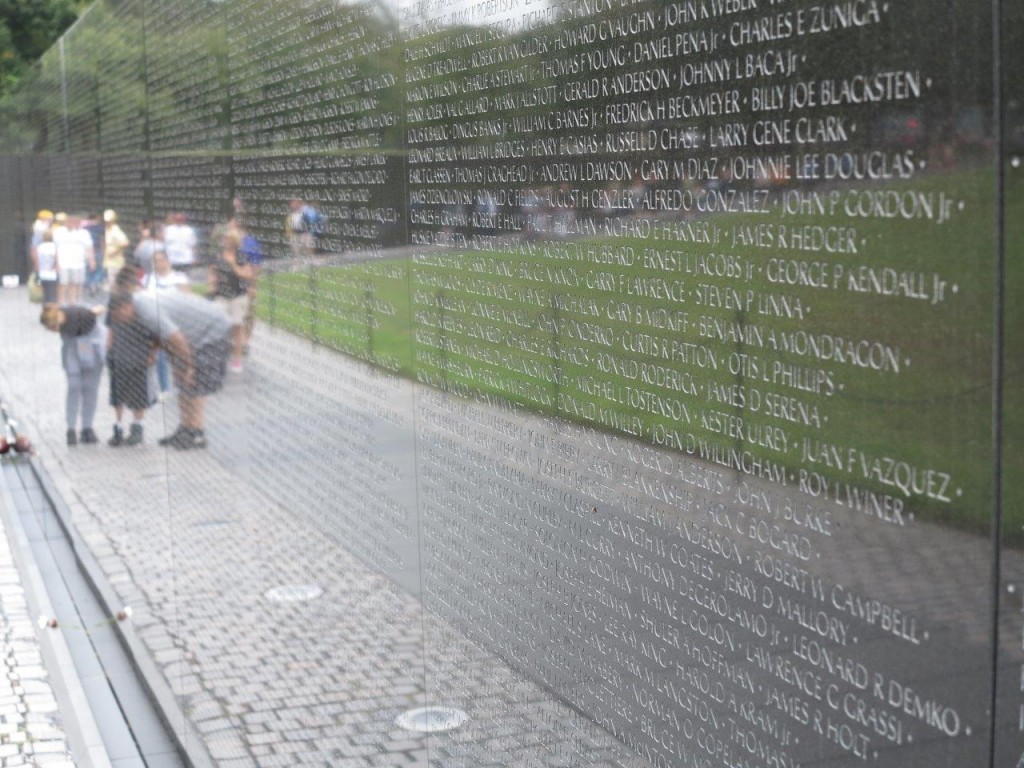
696, 237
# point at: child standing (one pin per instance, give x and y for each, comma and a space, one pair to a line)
130, 354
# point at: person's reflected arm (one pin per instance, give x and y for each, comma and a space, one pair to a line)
181, 357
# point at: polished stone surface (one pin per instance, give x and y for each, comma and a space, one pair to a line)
648, 360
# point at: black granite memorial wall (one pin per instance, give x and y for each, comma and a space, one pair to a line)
664, 354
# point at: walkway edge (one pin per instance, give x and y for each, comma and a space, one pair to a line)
83, 734
188, 740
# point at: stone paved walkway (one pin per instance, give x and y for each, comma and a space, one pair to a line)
195, 542
31, 727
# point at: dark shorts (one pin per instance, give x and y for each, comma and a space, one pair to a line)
129, 387
210, 366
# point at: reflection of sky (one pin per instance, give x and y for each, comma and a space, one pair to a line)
510, 15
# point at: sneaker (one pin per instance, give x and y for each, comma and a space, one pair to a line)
185, 439
72, 437
136, 435
88, 437
189, 440
117, 438
169, 439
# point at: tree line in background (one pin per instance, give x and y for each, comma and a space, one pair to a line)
27, 29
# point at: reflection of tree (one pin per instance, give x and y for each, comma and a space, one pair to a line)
324, 55
955, 78
185, 48
37, 106
27, 30
196, 78
101, 44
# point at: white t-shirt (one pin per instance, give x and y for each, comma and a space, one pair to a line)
46, 261
73, 248
171, 281
38, 228
180, 244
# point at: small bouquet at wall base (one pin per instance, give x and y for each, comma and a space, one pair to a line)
35, 289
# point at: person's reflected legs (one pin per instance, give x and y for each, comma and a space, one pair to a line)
189, 433
72, 403
82, 397
90, 399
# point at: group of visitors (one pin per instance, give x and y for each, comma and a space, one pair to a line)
67, 251
75, 252
153, 324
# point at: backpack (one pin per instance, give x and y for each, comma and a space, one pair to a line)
313, 221
251, 250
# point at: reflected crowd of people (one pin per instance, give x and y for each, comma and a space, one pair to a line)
150, 312
555, 211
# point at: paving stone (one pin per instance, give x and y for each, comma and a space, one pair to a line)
53, 761
48, 747
226, 748
37, 703
208, 727
275, 760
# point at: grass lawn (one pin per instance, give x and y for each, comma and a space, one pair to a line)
677, 351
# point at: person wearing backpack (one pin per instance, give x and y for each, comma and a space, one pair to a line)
300, 240
315, 225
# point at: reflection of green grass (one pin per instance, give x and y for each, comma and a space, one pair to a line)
1013, 365
362, 310
428, 320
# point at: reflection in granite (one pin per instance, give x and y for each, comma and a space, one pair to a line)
1009, 587
668, 599
628, 367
